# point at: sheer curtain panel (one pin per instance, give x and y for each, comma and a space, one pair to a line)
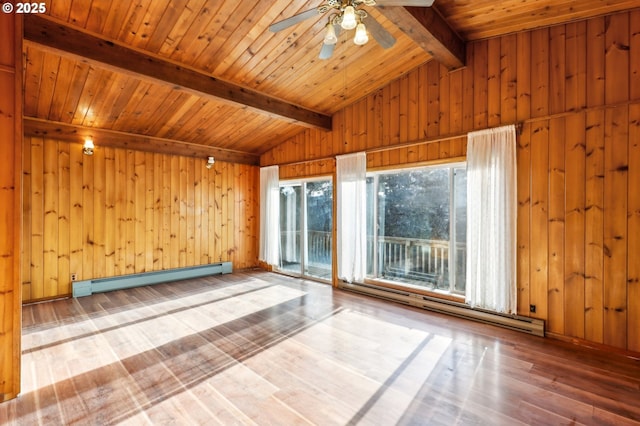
269, 250
351, 175
491, 219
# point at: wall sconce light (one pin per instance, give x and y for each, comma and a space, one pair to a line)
88, 147
210, 162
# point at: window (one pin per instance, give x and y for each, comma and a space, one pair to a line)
417, 227
306, 223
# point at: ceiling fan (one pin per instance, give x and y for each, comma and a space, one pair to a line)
347, 15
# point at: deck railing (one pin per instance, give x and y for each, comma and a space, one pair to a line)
414, 259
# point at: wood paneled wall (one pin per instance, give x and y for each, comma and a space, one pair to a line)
576, 90
10, 195
122, 212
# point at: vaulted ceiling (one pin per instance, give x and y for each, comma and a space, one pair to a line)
207, 77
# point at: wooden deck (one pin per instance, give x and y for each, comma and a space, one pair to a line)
260, 348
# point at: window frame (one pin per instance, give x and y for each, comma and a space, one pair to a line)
374, 278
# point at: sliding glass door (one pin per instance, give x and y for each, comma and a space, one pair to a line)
306, 223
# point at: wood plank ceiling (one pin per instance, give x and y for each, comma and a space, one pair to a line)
196, 49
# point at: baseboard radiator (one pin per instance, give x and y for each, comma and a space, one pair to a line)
524, 324
101, 285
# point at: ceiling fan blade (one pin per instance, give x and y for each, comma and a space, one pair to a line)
417, 3
378, 32
327, 49
286, 23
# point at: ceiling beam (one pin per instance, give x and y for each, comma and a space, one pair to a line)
430, 31
81, 45
111, 138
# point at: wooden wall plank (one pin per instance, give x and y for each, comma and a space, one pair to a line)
467, 92
156, 201
183, 188
130, 213
556, 226
633, 230
634, 54
508, 79
403, 114
617, 58
87, 216
394, 111
494, 83
539, 281
444, 100
120, 225
595, 62
574, 261
576, 66
50, 275
455, 102
433, 99
64, 210
50, 210
190, 216
240, 224
149, 212
139, 208
37, 218
524, 219
232, 247
204, 211
167, 203
615, 226
480, 84
174, 249
211, 214
557, 65
540, 58
99, 212
594, 227
110, 217
26, 223
198, 214
523, 84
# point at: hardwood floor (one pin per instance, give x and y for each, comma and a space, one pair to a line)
260, 348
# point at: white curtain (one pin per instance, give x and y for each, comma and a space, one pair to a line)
351, 174
269, 250
491, 219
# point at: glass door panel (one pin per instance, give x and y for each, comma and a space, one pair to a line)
306, 223
319, 223
290, 226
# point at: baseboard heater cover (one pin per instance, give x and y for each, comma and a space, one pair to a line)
514, 322
101, 285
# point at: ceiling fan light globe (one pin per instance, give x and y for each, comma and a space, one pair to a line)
361, 36
349, 21
330, 37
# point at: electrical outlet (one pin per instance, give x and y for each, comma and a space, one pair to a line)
532, 309
74, 277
